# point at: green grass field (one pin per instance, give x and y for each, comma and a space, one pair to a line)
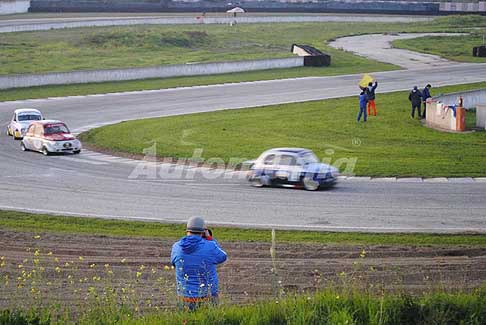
456, 48
42, 223
137, 46
391, 144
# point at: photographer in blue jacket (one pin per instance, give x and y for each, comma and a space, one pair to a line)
194, 258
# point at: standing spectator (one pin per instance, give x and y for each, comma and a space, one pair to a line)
195, 257
415, 97
371, 97
425, 95
363, 101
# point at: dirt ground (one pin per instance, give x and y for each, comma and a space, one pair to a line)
142, 265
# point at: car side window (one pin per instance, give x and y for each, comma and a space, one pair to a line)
30, 130
269, 160
287, 160
38, 130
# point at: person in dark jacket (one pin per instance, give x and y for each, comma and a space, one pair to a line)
425, 95
371, 97
415, 97
194, 258
363, 101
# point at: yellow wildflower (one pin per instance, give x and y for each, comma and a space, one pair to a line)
20, 266
139, 274
37, 237
166, 267
92, 266
81, 258
142, 267
123, 260
58, 269
37, 252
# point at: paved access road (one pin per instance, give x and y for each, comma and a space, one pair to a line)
95, 185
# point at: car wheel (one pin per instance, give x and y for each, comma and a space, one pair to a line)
76, 152
45, 152
310, 184
256, 182
22, 146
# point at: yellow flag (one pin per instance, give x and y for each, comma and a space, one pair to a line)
366, 80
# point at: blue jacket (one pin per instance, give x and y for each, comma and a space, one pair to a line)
363, 100
371, 90
425, 94
195, 260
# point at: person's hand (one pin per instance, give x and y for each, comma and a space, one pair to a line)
208, 234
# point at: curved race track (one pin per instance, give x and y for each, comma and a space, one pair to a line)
93, 184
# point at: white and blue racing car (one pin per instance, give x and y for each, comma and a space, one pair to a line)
292, 167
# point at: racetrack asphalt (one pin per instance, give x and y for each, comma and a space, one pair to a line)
85, 185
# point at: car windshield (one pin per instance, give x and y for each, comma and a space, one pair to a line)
29, 117
309, 158
55, 128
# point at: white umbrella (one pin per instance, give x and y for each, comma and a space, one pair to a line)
236, 9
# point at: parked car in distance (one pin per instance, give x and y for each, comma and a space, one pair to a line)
50, 136
21, 120
292, 167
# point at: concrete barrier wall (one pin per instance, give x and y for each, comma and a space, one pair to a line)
8, 7
470, 98
481, 116
440, 116
478, 6
179, 70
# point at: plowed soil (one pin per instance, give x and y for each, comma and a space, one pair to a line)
249, 274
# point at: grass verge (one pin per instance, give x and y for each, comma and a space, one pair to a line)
327, 307
39, 223
456, 48
391, 144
